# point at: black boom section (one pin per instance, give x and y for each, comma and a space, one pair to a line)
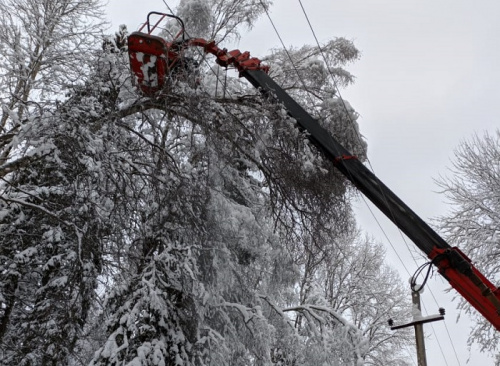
376, 191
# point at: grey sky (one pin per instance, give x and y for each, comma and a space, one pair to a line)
428, 78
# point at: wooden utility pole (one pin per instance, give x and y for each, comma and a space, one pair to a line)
418, 321
419, 330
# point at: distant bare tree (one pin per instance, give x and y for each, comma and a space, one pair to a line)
473, 223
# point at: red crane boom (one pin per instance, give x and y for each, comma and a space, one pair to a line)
153, 60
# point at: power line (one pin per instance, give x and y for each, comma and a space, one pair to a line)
295, 68
345, 107
349, 116
359, 137
350, 119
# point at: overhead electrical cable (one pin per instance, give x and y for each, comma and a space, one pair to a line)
344, 105
371, 168
292, 62
347, 113
340, 97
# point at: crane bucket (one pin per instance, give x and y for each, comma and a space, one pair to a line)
151, 57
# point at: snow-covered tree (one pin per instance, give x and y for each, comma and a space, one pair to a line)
473, 223
220, 20
49, 225
197, 227
356, 283
45, 47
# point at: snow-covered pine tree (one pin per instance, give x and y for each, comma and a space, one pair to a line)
56, 215
49, 255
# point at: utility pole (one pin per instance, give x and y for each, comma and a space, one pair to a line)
418, 321
419, 330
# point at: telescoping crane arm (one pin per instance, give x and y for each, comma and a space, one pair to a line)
152, 58
454, 265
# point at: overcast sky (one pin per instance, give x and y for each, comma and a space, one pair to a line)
427, 79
